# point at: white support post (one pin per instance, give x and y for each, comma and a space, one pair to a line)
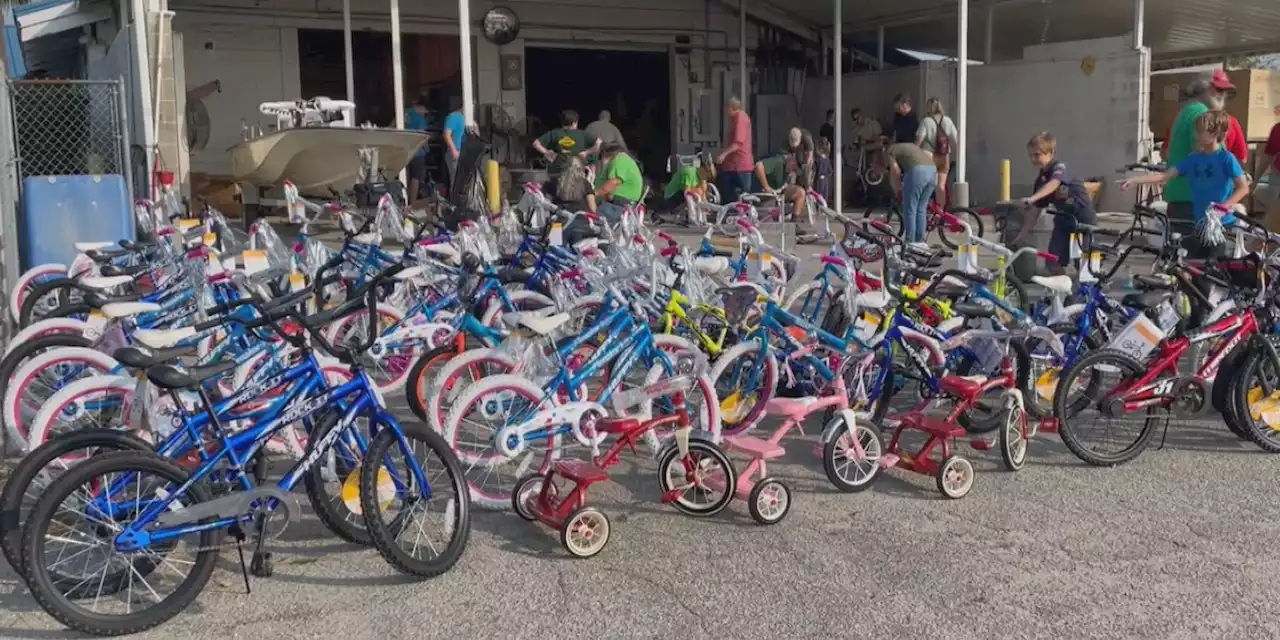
464, 41
142, 76
961, 193
397, 66
742, 53
989, 53
346, 47
837, 71
880, 46
1139, 22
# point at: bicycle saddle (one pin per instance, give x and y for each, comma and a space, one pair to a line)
974, 309
137, 246
951, 291
1144, 300
97, 300
167, 376
135, 358
113, 270
106, 254
1152, 283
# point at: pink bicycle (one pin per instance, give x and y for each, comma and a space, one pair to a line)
851, 448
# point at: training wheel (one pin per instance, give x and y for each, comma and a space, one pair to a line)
525, 495
585, 532
955, 477
769, 502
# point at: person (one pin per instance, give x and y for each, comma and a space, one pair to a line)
1235, 142
604, 130
618, 186
1054, 185
735, 160
692, 178
415, 119
905, 122
1204, 95
1213, 175
914, 175
937, 134
866, 131
455, 130
800, 146
562, 143
823, 171
1269, 162
774, 174
828, 129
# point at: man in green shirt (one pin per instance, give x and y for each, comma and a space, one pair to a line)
560, 144
1204, 95
620, 184
774, 173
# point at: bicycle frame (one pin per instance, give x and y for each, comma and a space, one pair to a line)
1149, 391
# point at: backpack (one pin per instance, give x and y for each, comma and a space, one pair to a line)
941, 141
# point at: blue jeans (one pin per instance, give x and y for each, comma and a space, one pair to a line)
918, 184
734, 184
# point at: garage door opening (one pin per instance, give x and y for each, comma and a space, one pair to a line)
635, 86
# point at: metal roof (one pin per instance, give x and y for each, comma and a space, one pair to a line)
1173, 28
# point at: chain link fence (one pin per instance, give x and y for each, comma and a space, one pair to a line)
69, 127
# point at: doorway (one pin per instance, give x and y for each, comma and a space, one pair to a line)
635, 86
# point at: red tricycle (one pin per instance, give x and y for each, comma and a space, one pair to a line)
954, 474
688, 465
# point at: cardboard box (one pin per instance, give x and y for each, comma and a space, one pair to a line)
220, 192
1256, 103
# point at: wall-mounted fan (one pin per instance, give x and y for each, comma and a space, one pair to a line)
198, 122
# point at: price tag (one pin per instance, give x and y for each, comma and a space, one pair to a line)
1075, 246
1138, 338
297, 282
1167, 317
407, 227
1047, 384
209, 239
186, 225
867, 325
557, 234
297, 211
254, 261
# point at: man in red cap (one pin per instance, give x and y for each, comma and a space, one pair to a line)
1202, 96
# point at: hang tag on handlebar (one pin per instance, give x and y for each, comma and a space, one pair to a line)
297, 282
557, 234
1075, 250
254, 261
1138, 338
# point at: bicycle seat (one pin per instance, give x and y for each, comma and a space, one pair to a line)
973, 309
1144, 300
167, 376
711, 266
372, 238
161, 339
794, 408
950, 289
85, 247
511, 275
1056, 284
1084, 226
721, 253
97, 300
755, 447
580, 472
137, 246
105, 254
135, 358
921, 273
113, 270
539, 323
874, 300
117, 310
102, 283
965, 387
1152, 283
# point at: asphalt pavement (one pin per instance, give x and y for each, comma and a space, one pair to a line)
1172, 545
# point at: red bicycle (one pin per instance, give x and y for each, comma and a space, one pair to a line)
936, 218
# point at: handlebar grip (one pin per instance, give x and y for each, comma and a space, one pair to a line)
666, 237
1046, 256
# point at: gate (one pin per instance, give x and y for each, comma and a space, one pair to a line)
70, 127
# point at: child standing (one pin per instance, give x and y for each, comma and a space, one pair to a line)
1212, 172
1058, 187
823, 172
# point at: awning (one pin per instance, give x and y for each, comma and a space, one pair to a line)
27, 22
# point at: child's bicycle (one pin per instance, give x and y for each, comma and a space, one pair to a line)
688, 468
953, 473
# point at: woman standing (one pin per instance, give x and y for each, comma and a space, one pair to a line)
937, 134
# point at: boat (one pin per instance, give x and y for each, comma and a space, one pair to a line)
315, 147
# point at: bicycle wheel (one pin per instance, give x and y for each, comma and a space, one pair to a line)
55, 520
701, 483
44, 299
1043, 375
890, 215
424, 369
810, 301
38, 469
1074, 428
16, 360
402, 509
1255, 393
335, 479
745, 379
957, 238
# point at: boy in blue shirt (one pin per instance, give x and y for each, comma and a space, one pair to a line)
1213, 174
1057, 186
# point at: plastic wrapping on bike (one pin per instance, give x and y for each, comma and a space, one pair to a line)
737, 302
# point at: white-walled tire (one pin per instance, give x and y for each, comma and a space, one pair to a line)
766, 389
69, 401
29, 279
48, 327
22, 395
450, 383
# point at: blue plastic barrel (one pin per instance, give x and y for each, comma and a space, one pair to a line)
58, 211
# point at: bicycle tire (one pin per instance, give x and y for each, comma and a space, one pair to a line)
29, 468
460, 529
1261, 435
1033, 403
1013, 285
313, 481
27, 314
768, 387
55, 604
1021, 372
1069, 437
729, 483
967, 215
422, 372
891, 214
20, 354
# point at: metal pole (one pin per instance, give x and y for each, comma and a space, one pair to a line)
742, 53
962, 90
1139, 22
880, 46
346, 47
142, 63
397, 66
991, 31
126, 145
468, 91
837, 53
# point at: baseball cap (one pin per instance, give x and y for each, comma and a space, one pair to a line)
1221, 82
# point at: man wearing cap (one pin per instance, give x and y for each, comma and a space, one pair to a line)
1203, 95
